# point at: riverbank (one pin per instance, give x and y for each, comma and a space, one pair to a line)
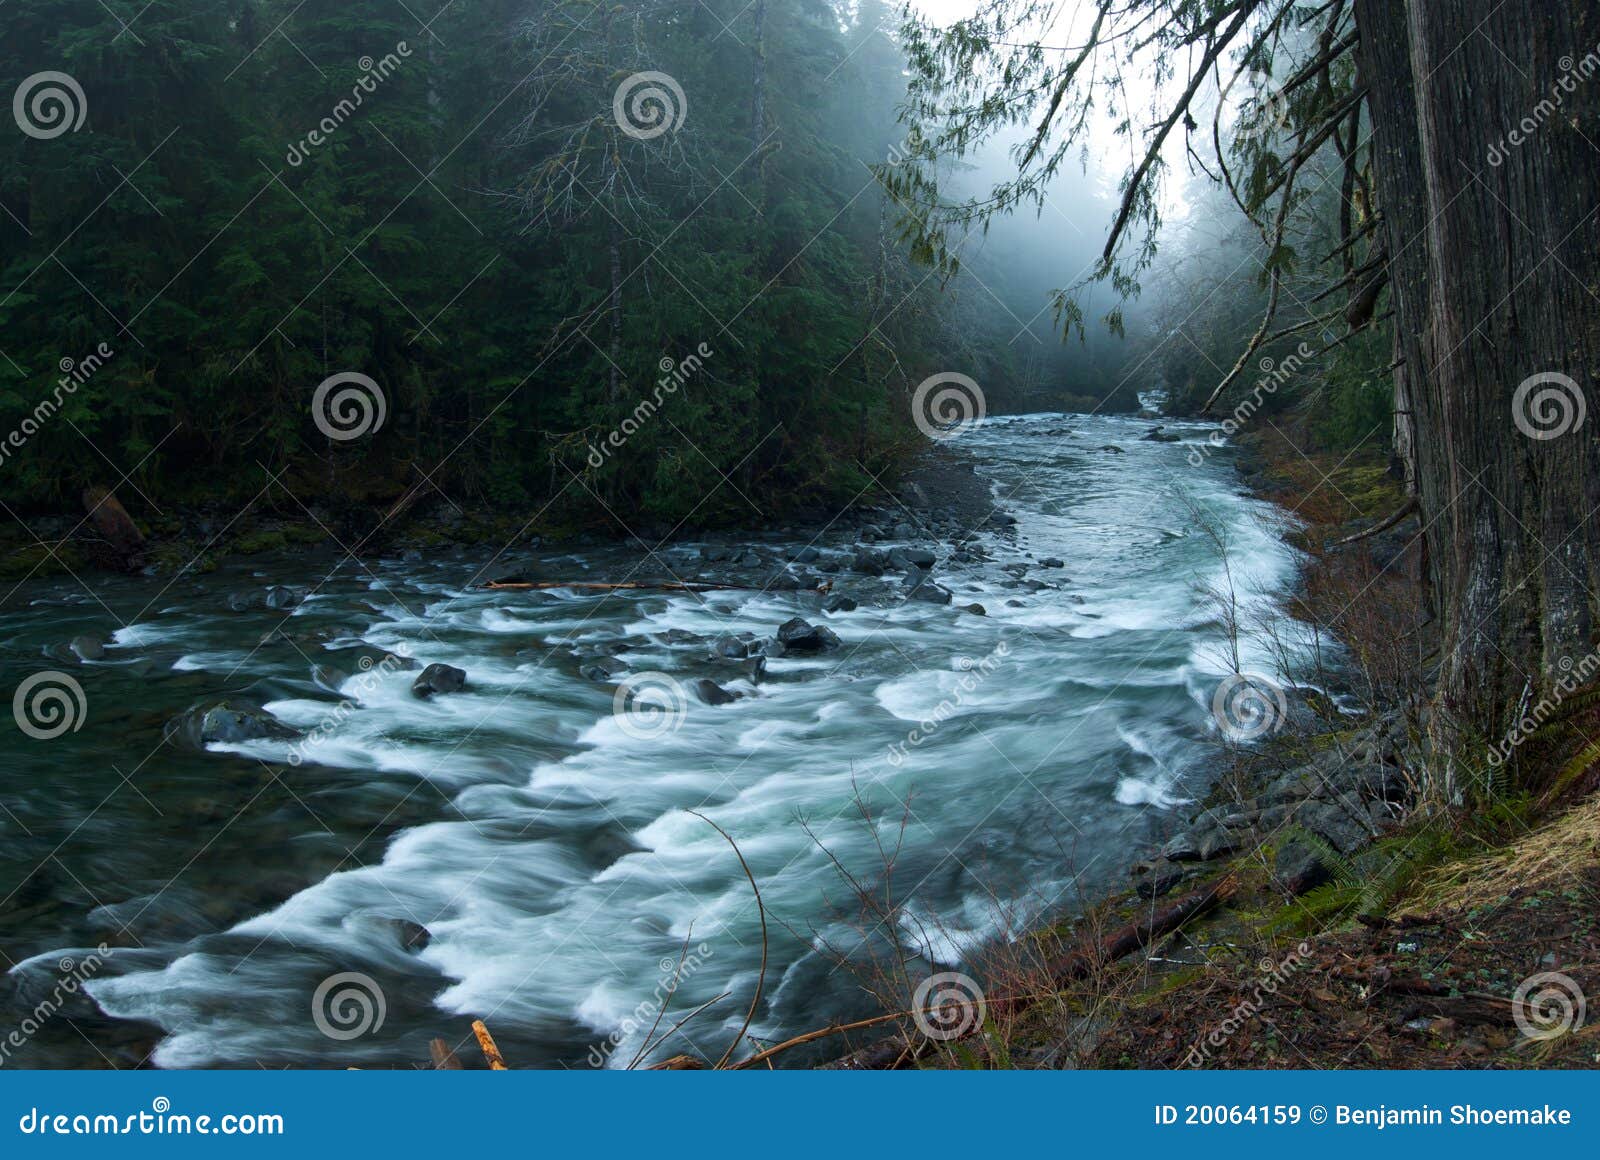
1328, 905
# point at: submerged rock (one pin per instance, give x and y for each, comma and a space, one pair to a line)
711, 693
438, 679
89, 648
839, 602
601, 669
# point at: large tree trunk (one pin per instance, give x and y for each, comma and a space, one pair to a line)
1495, 261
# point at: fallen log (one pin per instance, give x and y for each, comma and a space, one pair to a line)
626, 586
1091, 954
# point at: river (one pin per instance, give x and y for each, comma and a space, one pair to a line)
552, 845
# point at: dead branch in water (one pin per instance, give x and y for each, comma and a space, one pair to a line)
755, 1000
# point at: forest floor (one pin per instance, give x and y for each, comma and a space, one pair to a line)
1439, 938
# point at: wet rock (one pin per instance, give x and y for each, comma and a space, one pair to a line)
413, 936
1112, 447
1160, 879
1052, 562
328, 678
394, 662
868, 561
924, 589
904, 531
711, 693
282, 597
246, 601
601, 669
1015, 604
749, 560
227, 723
1299, 868
977, 610
89, 648
1158, 435
756, 670
839, 602
1003, 520
807, 555
715, 553
1342, 830
907, 559
438, 679
799, 636
735, 648
683, 636
1199, 845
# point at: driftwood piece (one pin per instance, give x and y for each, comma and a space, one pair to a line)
1091, 954
486, 1043
678, 1063
443, 1058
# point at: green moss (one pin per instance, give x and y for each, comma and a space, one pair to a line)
252, 542
37, 560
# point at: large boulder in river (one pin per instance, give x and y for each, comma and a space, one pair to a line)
799, 636
438, 679
226, 723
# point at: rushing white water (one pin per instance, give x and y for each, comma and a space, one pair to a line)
1015, 760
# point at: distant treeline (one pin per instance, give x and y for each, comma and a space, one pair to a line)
628, 254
